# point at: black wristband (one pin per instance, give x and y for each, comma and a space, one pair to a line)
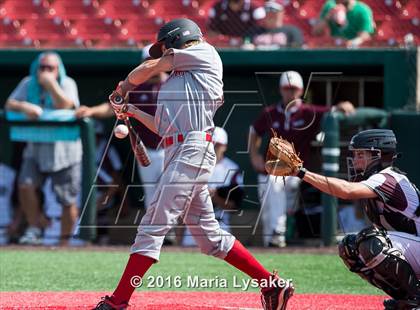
301, 173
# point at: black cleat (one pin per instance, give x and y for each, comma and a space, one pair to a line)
107, 304
277, 297
393, 304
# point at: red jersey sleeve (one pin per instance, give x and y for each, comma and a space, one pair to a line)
261, 124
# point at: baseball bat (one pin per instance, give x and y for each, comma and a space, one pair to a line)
137, 144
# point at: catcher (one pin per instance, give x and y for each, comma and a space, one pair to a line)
187, 102
386, 254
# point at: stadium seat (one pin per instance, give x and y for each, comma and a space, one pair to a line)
94, 28
43, 28
129, 23
22, 9
204, 6
15, 41
381, 8
411, 10
319, 42
74, 9
136, 28
310, 9
9, 27
225, 41
115, 42
393, 35
174, 9
123, 9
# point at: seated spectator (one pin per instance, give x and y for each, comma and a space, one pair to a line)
273, 33
234, 18
47, 87
350, 20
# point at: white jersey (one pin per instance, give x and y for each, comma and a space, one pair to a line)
394, 208
187, 102
189, 98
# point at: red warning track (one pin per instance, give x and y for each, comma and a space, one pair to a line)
185, 300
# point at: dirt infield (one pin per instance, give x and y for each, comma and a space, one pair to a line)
185, 300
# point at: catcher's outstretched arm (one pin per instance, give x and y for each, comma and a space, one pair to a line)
338, 187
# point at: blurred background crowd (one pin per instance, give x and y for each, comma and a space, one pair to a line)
226, 23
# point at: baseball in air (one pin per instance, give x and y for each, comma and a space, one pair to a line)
121, 131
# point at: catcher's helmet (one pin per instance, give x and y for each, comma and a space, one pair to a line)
375, 139
174, 34
382, 144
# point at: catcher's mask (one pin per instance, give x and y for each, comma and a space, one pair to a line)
175, 34
372, 150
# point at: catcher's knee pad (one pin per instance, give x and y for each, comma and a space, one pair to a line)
371, 255
347, 249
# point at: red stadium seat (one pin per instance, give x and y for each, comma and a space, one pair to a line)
114, 42
123, 9
320, 42
15, 42
310, 9
43, 28
146, 27
411, 10
63, 42
9, 27
388, 32
204, 6
95, 28
225, 41
22, 9
73, 9
381, 8
174, 9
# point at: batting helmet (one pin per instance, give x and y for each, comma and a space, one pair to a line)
175, 34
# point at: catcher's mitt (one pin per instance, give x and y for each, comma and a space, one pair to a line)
282, 159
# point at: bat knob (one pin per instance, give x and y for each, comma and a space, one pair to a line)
118, 99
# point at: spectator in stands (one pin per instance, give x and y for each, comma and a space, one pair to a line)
350, 20
299, 123
225, 186
273, 32
235, 18
47, 87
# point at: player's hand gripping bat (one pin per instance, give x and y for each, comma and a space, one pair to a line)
136, 143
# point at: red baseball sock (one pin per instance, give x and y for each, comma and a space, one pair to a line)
137, 266
242, 259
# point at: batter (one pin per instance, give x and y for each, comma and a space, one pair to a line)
187, 102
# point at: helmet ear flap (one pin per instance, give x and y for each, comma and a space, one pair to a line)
171, 41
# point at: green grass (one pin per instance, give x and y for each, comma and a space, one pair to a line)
61, 270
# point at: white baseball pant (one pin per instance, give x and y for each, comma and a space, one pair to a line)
275, 200
182, 192
409, 246
150, 175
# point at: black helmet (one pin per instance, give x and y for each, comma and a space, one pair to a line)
174, 34
375, 139
383, 145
